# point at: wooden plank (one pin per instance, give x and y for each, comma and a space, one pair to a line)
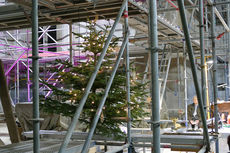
7, 109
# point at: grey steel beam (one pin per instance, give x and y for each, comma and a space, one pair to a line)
17, 82
178, 79
126, 35
185, 85
91, 81
228, 52
35, 66
203, 79
153, 47
194, 70
214, 57
70, 44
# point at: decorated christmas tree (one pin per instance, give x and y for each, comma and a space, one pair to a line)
72, 80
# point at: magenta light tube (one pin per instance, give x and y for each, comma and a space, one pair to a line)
28, 78
14, 63
57, 46
23, 48
12, 46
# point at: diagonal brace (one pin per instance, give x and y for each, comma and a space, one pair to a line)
194, 71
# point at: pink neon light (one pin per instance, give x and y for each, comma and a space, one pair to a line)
7, 72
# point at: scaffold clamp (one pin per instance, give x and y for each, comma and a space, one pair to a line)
154, 124
34, 57
126, 14
154, 49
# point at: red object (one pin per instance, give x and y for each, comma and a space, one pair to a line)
126, 14
220, 35
172, 4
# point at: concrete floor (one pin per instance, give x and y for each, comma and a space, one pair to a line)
223, 147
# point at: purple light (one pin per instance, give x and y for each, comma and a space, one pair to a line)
14, 63
12, 46
28, 79
24, 48
27, 49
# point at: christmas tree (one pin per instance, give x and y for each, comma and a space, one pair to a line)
73, 79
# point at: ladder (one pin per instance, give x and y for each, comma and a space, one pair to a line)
164, 66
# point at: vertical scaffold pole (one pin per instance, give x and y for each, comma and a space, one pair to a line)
17, 82
213, 23
90, 83
206, 66
228, 53
126, 34
17, 77
185, 85
203, 79
71, 44
27, 69
178, 79
35, 65
194, 71
154, 75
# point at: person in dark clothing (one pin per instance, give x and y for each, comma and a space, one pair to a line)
194, 113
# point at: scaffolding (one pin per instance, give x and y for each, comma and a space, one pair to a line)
155, 27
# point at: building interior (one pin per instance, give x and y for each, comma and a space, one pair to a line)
113, 76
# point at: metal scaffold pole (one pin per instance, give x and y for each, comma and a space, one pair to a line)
178, 79
126, 34
17, 83
194, 71
228, 54
71, 54
203, 79
91, 81
35, 65
154, 75
214, 74
185, 85
17, 77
